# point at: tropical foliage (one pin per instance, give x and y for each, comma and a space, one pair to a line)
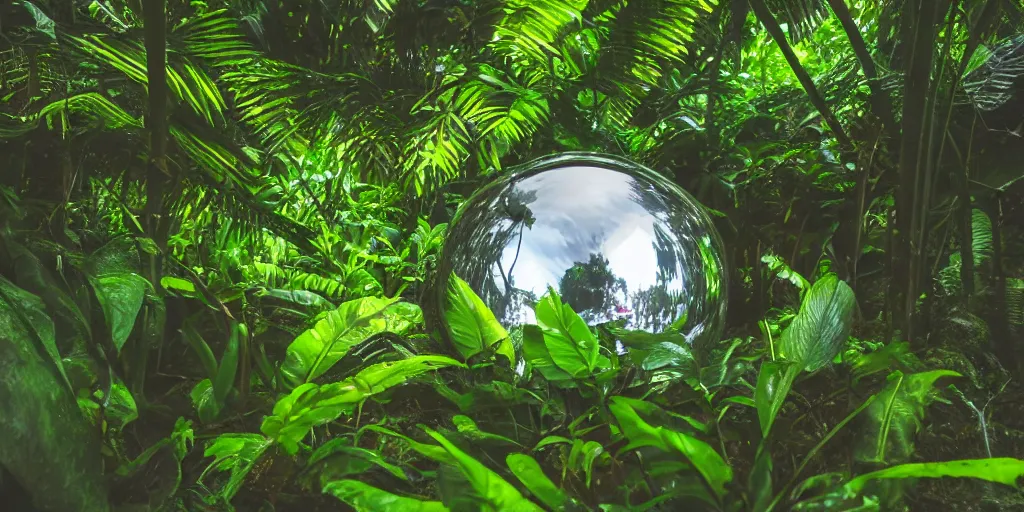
219, 221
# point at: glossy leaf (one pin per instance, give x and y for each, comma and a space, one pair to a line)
708, 462
530, 473
822, 326
1007, 471
570, 343
228, 366
773, 384
315, 351
366, 498
471, 324
498, 493
310, 404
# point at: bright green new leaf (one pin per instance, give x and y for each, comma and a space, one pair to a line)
708, 462
530, 473
822, 326
177, 284
366, 498
535, 351
471, 324
310, 405
570, 343
1005, 471
499, 494
318, 349
773, 384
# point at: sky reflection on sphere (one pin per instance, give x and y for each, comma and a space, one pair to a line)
615, 239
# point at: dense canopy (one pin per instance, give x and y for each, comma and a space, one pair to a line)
221, 220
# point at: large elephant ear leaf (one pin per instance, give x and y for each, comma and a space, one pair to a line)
471, 324
822, 326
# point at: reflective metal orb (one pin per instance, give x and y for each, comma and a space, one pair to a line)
616, 240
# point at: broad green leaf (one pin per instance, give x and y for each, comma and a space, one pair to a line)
204, 401
1005, 471
529, 472
773, 384
498, 493
431, 451
121, 409
315, 351
895, 416
591, 451
467, 426
178, 284
708, 462
471, 324
228, 366
19, 307
337, 458
570, 343
310, 405
550, 440
45, 441
236, 453
120, 296
822, 326
535, 351
366, 498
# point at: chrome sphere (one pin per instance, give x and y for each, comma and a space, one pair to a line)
615, 239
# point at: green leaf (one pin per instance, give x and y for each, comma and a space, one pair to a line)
45, 441
822, 326
315, 351
366, 498
773, 385
225, 380
120, 296
310, 405
535, 351
1005, 471
236, 453
529, 472
498, 493
708, 462
178, 284
20, 307
204, 401
471, 324
121, 409
467, 426
895, 416
337, 458
570, 343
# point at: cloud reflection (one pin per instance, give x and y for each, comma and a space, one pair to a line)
617, 241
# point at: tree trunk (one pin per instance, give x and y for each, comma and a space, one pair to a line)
920, 18
155, 28
881, 103
769, 22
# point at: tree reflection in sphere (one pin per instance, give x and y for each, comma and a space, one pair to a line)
615, 239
